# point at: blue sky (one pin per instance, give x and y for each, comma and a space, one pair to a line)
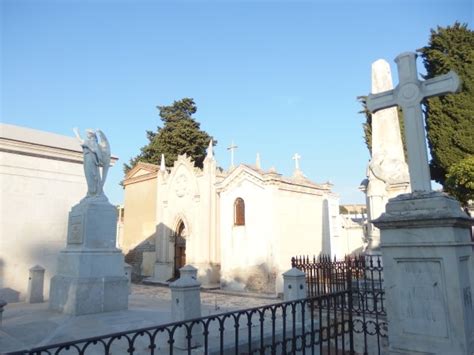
277, 77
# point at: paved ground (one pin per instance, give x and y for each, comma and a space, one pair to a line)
29, 325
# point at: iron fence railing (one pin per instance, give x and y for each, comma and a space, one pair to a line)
363, 275
312, 325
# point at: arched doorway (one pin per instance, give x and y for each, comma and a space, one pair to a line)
179, 248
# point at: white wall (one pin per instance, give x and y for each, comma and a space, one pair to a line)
36, 196
249, 249
349, 239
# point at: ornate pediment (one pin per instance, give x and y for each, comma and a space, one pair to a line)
141, 171
182, 178
238, 175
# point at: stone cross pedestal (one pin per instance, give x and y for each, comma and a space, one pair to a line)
409, 94
90, 277
427, 250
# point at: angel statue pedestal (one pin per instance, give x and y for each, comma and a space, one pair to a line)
90, 276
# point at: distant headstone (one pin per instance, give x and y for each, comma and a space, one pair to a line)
90, 276
34, 293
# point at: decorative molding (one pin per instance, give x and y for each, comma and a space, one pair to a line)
39, 151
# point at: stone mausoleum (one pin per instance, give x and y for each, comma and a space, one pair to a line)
239, 227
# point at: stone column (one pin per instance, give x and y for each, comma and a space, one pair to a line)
294, 288
34, 294
427, 252
186, 304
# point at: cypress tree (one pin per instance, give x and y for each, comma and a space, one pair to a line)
180, 134
450, 118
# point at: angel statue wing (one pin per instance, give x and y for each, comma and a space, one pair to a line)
104, 155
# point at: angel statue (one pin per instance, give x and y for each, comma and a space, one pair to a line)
96, 156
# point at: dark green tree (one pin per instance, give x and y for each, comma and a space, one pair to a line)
180, 134
450, 118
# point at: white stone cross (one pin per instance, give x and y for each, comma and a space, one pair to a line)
409, 94
232, 147
297, 158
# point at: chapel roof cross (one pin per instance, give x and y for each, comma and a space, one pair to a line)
409, 94
297, 158
232, 147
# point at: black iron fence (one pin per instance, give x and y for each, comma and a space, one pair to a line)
316, 325
363, 276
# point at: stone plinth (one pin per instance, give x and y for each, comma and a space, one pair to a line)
294, 288
294, 285
186, 304
90, 276
427, 252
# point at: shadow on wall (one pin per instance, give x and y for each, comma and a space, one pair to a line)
259, 278
326, 235
141, 258
45, 255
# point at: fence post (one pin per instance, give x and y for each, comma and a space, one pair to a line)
294, 288
35, 285
186, 304
350, 304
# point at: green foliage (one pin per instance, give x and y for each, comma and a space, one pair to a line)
180, 134
343, 210
367, 125
460, 180
450, 118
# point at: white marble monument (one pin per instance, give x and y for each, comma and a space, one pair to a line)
425, 239
90, 276
387, 172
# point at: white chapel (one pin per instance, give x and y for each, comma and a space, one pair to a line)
238, 227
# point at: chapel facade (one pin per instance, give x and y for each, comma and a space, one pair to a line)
238, 227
